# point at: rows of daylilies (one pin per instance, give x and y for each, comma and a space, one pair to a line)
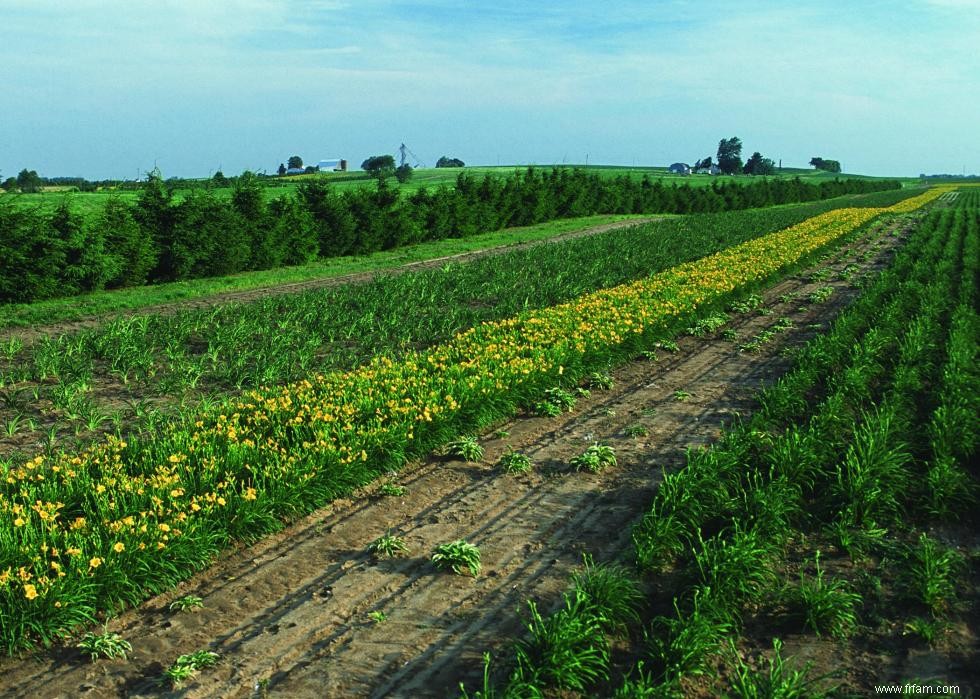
88, 532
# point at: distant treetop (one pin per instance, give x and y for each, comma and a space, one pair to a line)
446, 161
824, 164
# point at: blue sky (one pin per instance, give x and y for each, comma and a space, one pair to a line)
105, 88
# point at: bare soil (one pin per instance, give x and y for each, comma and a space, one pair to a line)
290, 615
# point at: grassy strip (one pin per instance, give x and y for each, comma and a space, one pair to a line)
105, 527
730, 516
134, 299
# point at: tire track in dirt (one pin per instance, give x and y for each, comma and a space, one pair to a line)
290, 614
32, 333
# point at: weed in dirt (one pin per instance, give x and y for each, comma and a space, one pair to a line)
708, 324
392, 490
501, 434
778, 681
515, 462
636, 430
546, 409
107, 644
749, 303
186, 666
650, 355
681, 395
641, 684
729, 335
667, 346
821, 275
828, 606
600, 380
610, 591
187, 603
927, 629
457, 555
820, 295
556, 401
595, 458
378, 616
487, 691
608, 412
387, 546
466, 448
930, 573
567, 650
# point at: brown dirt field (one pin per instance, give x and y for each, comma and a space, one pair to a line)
289, 616
28, 335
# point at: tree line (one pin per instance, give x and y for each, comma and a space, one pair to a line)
160, 237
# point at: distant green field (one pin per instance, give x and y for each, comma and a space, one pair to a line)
90, 202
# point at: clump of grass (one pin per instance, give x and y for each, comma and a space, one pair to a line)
187, 603
515, 462
595, 458
829, 606
567, 650
457, 555
778, 680
610, 591
930, 574
388, 546
107, 644
667, 346
466, 448
684, 645
186, 666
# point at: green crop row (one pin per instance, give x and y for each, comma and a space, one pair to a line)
874, 428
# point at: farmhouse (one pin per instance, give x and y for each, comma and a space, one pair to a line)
295, 171
712, 170
332, 164
680, 169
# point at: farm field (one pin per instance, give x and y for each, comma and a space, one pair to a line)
71, 381
226, 472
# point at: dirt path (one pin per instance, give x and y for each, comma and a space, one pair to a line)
28, 335
290, 616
